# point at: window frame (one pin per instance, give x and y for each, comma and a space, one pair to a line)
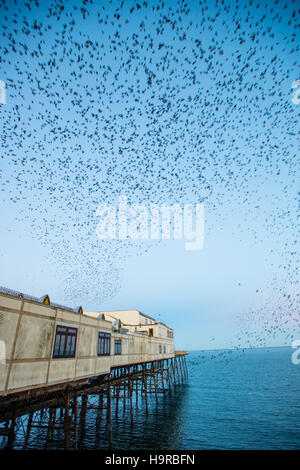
119, 343
69, 344
103, 351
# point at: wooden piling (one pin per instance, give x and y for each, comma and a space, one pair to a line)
109, 413
29, 422
67, 420
75, 413
145, 387
11, 433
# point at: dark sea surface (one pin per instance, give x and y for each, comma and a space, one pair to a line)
233, 400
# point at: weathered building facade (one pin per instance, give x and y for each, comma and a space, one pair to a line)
44, 344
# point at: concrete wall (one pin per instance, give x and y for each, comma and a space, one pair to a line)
27, 334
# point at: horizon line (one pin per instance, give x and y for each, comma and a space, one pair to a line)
236, 349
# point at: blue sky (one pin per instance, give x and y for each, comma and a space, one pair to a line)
186, 102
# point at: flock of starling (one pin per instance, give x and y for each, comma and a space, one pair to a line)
161, 101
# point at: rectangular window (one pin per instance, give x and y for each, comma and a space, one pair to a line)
103, 344
165, 349
150, 331
65, 342
118, 346
160, 349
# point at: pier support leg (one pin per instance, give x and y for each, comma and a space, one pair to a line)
168, 366
130, 397
176, 369
75, 413
186, 368
28, 430
145, 387
67, 420
109, 414
117, 398
11, 433
83, 416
